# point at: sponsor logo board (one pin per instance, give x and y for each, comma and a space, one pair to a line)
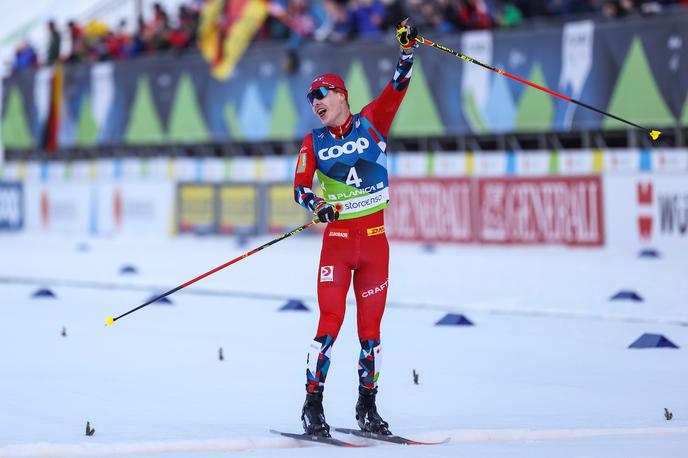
196, 208
545, 210
11, 206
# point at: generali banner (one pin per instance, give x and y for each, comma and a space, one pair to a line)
544, 210
517, 210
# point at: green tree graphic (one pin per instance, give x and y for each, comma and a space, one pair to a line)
536, 108
186, 121
15, 128
144, 125
359, 89
636, 96
86, 129
418, 114
284, 116
232, 119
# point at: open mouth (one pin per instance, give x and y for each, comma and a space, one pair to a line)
321, 111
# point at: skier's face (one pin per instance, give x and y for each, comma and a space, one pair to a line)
332, 109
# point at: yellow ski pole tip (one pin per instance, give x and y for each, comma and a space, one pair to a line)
655, 134
109, 321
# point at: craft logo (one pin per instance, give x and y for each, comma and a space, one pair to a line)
645, 199
326, 273
376, 231
377, 289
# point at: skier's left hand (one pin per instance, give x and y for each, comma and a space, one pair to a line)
406, 36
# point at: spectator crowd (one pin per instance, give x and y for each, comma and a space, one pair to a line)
335, 21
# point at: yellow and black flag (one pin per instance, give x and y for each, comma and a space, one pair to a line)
226, 30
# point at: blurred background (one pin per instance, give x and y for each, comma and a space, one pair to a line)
135, 116
537, 246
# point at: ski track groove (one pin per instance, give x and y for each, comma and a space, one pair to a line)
538, 313
243, 444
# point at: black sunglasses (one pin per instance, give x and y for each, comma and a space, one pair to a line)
319, 93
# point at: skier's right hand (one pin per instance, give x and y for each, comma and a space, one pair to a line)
325, 212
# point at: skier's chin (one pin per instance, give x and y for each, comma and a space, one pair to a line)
325, 119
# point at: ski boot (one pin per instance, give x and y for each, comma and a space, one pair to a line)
313, 416
366, 414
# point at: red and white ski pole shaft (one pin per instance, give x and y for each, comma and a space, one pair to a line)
110, 320
653, 133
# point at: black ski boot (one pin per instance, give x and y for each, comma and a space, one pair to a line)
367, 416
313, 416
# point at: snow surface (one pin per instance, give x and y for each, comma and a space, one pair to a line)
546, 370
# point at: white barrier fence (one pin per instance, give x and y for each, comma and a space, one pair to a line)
583, 197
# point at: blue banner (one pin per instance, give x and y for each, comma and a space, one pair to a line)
11, 207
631, 68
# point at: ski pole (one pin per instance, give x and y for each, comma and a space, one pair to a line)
110, 320
653, 133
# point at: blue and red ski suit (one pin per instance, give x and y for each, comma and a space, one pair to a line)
351, 164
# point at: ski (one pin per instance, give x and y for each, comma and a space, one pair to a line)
391, 438
318, 439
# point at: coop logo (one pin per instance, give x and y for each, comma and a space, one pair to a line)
360, 145
10, 206
377, 289
326, 273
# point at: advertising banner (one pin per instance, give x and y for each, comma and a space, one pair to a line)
141, 208
238, 209
63, 208
542, 210
648, 210
196, 205
283, 212
11, 206
430, 210
631, 68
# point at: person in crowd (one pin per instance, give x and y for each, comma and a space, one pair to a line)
367, 17
54, 42
25, 56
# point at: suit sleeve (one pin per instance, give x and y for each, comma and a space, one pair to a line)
303, 176
381, 111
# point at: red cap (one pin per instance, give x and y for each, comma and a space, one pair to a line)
328, 80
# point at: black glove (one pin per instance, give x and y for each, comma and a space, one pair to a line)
325, 212
406, 35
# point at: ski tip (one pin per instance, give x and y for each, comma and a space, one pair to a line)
655, 134
109, 321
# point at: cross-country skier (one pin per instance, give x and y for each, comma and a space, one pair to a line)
349, 156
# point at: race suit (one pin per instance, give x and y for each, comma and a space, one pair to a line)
351, 165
